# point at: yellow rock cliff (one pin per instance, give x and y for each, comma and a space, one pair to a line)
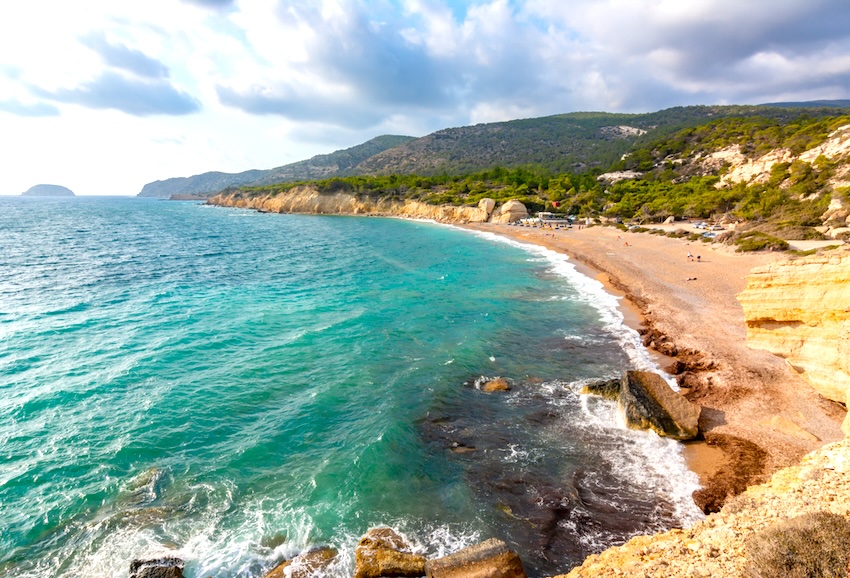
307, 199
800, 310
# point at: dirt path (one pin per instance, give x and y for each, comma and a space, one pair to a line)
691, 313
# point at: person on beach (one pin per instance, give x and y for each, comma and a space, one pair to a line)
698, 258
690, 256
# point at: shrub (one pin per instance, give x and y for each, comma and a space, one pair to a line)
758, 241
815, 545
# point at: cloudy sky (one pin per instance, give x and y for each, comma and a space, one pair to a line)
103, 96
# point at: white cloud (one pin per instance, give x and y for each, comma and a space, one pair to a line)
280, 80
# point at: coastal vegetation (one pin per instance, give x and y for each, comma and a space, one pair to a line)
772, 174
579, 142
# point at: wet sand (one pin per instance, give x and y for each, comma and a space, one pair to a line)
688, 313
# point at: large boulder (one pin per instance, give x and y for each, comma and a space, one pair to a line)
487, 205
648, 402
304, 565
509, 212
490, 559
383, 552
166, 567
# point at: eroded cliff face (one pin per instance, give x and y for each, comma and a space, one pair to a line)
800, 310
307, 199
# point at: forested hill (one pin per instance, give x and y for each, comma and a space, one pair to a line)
777, 176
318, 167
575, 142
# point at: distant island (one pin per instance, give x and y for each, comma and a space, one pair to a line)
48, 191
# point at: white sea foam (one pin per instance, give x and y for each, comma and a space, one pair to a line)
588, 291
644, 458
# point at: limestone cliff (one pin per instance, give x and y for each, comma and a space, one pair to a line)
307, 199
757, 170
800, 310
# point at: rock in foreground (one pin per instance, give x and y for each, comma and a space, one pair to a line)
383, 552
305, 565
167, 567
490, 559
648, 402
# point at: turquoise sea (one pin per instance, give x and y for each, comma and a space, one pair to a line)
234, 388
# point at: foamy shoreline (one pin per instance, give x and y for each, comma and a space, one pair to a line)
693, 306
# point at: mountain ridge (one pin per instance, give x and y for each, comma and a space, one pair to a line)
317, 167
572, 142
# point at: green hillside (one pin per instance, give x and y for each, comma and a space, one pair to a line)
677, 177
575, 142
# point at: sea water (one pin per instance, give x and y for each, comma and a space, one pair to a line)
234, 388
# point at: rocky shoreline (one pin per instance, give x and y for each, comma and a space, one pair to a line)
725, 544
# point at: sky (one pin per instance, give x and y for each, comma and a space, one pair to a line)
103, 96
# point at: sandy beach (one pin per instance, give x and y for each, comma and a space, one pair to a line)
758, 415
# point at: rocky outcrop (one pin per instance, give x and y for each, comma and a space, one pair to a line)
490, 559
648, 402
510, 212
718, 545
800, 310
305, 565
487, 205
742, 169
496, 384
307, 199
607, 388
167, 567
617, 176
383, 552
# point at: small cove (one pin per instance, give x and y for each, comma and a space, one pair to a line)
234, 387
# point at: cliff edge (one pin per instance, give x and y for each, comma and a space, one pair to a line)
307, 199
800, 310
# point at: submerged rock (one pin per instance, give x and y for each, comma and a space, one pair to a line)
166, 567
383, 552
305, 565
648, 402
490, 559
497, 384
